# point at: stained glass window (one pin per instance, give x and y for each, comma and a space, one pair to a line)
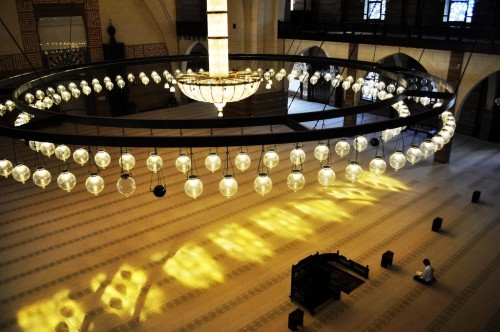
374, 10
459, 11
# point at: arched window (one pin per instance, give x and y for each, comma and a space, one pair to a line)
459, 11
374, 10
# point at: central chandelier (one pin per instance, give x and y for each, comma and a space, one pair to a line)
220, 86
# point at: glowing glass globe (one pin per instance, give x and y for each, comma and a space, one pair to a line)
397, 160
353, 171
34, 145
47, 148
387, 135
212, 162
321, 152
94, 184
295, 180
228, 186
193, 186
81, 156
65, 95
446, 135
126, 185
127, 161
242, 161
378, 165
342, 147
438, 142
414, 154
29, 98
263, 184
62, 152
326, 176
271, 158
297, 156
66, 180
428, 148
154, 163
360, 143
183, 163
102, 159
21, 173
41, 177
48, 102
5, 167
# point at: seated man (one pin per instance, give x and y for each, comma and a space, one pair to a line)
427, 276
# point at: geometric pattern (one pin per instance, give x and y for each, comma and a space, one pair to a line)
145, 50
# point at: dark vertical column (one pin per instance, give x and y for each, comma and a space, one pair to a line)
349, 100
453, 77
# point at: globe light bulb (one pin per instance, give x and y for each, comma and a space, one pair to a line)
271, 158
296, 180
414, 154
242, 161
126, 185
154, 163
428, 148
326, 176
66, 180
360, 143
102, 159
193, 186
183, 163
263, 184
127, 161
297, 156
378, 165
212, 162
21, 173
321, 151
81, 156
5, 167
41, 177
397, 160
62, 152
342, 147
94, 184
228, 186
47, 148
353, 171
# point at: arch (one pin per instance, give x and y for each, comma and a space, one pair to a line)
196, 48
402, 60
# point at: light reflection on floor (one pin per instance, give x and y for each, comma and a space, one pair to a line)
240, 243
194, 267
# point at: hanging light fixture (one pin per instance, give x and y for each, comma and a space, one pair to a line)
297, 155
126, 185
262, 183
271, 158
342, 147
155, 165
81, 156
183, 163
414, 154
66, 180
428, 148
296, 180
94, 183
397, 160
21, 173
378, 165
193, 187
126, 161
212, 161
5, 167
102, 158
353, 171
47, 148
154, 162
326, 175
62, 152
228, 185
360, 143
321, 151
242, 160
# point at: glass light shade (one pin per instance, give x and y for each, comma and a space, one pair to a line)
62, 152
438, 142
263, 184
425, 101
353, 171
342, 147
40, 105
65, 95
397, 160
212, 162
400, 90
321, 151
39, 94
450, 129
57, 98
295, 180
356, 87
71, 86
127, 161
391, 88
29, 98
271, 158
34, 145
326, 176
154, 162
218, 60
445, 134
297, 156
378, 165
75, 93
381, 95
346, 85
414, 154
48, 102
121, 83
5, 167
81, 156
183, 163
126, 185
86, 90
381, 85
242, 161
47, 148
365, 89
66, 180
193, 186
9, 104
3, 109
387, 135
97, 88
228, 186
102, 159
94, 184
360, 143
21, 173
428, 148
109, 85
41, 177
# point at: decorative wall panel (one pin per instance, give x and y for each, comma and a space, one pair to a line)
145, 50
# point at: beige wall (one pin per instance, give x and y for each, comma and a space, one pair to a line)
8, 12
